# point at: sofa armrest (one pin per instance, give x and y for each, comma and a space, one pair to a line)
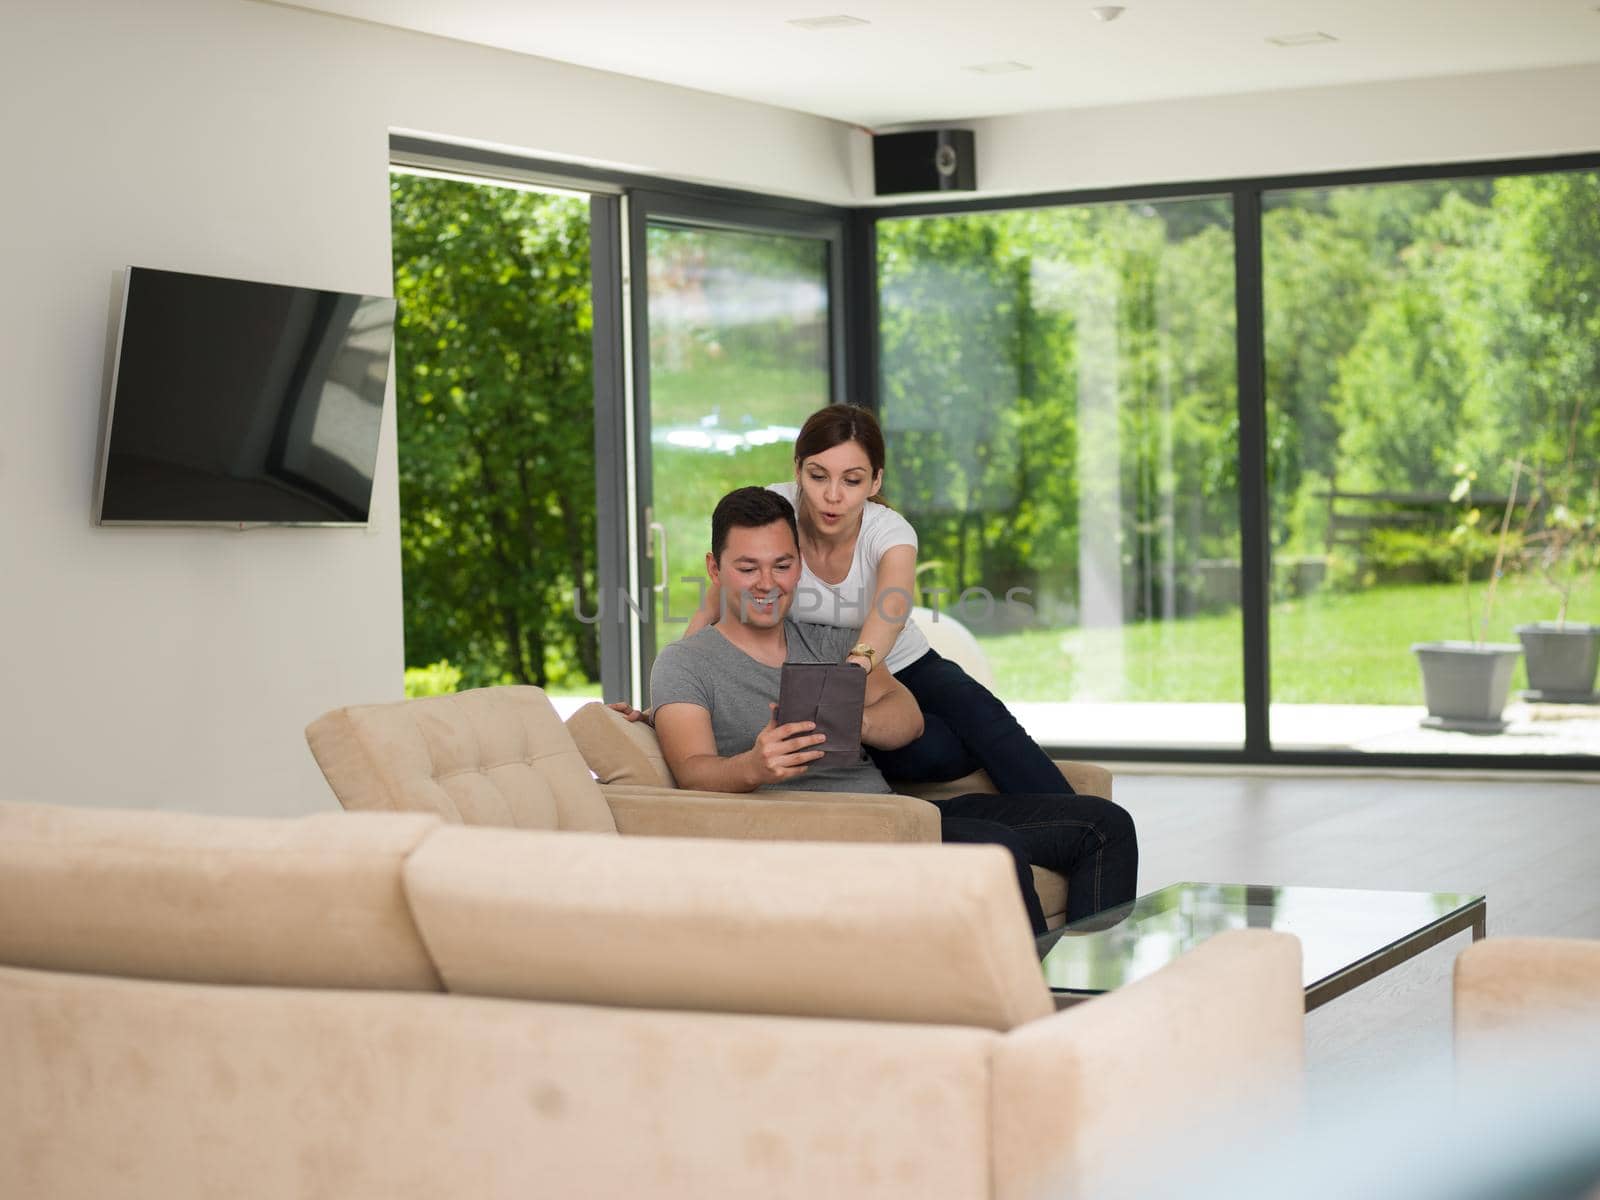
1511, 993
1078, 1094
1087, 779
771, 816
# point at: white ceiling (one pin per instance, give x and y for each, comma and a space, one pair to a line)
909, 63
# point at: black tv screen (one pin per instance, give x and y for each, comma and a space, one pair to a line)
239, 403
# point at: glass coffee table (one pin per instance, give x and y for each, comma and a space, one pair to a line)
1347, 936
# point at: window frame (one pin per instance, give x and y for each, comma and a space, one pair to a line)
625, 201
1248, 195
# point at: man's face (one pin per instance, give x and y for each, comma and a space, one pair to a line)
757, 574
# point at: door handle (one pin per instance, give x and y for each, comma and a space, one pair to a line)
657, 528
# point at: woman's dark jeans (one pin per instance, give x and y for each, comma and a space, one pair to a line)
965, 727
1089, 840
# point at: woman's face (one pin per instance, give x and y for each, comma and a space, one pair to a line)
835, 485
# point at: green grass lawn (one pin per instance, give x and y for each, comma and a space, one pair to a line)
687, 483
1328, 648
742, 396
589, 691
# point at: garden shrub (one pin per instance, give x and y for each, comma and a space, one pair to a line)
435, 679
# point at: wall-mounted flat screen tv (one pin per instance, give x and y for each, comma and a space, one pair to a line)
239, 403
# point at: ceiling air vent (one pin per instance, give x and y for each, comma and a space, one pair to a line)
1301, 39
836, 21
998, 68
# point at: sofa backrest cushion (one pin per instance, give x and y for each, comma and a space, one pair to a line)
619, 750
308, 902
916, 933
492, 756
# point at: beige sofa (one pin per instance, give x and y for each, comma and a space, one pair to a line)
384, 1005
625, 754
502, 757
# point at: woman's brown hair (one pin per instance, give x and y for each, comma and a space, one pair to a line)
836, 425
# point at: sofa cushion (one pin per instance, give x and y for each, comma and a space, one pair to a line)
309, 902
918, 933
619, 750
1052, 891
492, 756
978, 781
1087, 779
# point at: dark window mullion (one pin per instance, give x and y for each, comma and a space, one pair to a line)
610, 442
1255, 566
859, 297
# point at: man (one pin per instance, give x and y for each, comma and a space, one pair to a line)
716, 693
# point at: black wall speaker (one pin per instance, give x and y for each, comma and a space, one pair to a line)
929, 160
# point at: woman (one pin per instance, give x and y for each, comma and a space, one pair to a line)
859, 569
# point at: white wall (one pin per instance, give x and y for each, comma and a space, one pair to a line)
177, 668
1461, 118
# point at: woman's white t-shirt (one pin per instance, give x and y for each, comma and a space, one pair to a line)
848, 603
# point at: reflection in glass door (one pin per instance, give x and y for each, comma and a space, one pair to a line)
1060, 402
739, 353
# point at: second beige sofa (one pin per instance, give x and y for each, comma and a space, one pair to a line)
381, 1005
502, 757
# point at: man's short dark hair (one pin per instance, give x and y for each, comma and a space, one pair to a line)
749, 508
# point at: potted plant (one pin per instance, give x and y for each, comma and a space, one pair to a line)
1466, 683
1562, 656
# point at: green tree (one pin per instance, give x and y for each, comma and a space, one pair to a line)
1320, 275
1481, 344
495, 419
1010, 337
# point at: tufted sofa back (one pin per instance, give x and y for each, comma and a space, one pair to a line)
493, 756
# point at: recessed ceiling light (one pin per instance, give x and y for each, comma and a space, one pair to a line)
998, 68
836, 21
1107, 12
1301, 39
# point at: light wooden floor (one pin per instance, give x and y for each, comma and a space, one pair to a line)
1533, 848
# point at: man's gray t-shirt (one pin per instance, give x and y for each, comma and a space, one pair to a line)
710, 671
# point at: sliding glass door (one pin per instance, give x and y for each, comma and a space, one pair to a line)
1433, 409
1059, 399
736, 340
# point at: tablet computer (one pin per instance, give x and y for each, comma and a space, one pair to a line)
831, 694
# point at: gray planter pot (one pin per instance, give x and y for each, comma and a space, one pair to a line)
1466, 686
1562, 661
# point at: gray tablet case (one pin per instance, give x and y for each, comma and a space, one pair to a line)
831, 694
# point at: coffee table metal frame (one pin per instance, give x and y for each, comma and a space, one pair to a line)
1473, 915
